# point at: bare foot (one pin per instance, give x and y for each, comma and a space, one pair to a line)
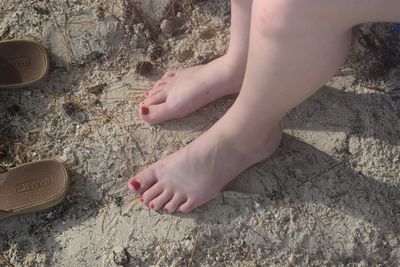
198, 172
180, 92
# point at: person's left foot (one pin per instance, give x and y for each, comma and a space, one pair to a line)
197, 173
180, 92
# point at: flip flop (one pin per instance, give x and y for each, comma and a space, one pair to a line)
32, 187
22, 63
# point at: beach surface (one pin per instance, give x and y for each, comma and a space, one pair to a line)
329, 196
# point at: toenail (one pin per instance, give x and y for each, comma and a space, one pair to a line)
141, 199
135, 185
165, 210
152, 206
145, 110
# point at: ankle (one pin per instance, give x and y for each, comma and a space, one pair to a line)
261, 144
235, 67
254, 145
235, 59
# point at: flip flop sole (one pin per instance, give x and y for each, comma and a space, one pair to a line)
32, 187
22, 63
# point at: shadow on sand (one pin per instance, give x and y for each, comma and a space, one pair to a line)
300, 172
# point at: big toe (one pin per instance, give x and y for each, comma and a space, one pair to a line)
141, 182
157, 113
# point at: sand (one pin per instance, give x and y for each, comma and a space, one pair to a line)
329, 196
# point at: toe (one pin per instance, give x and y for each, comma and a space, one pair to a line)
156, 99
169, 73
142, 181
152, 193
157, 113
156, 89
188, 206
160, 201
163, 81
174, 203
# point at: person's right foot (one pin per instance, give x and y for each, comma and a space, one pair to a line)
182, 91
197, 173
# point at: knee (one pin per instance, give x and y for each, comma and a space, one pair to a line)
270, 17
277, 17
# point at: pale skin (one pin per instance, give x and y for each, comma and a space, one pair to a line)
293, 48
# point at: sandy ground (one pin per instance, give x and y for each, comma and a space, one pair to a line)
329, 196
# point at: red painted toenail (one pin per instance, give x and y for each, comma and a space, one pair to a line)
145, 110
152, 206
146, 94
135, 185
141, 199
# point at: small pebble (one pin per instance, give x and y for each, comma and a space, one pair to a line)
362, 263
63, 158
126, 173
259, 209
167, 26
121, 256
80, 117
65, 154
74, 111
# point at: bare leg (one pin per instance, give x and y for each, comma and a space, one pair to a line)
295, 47
182, 91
